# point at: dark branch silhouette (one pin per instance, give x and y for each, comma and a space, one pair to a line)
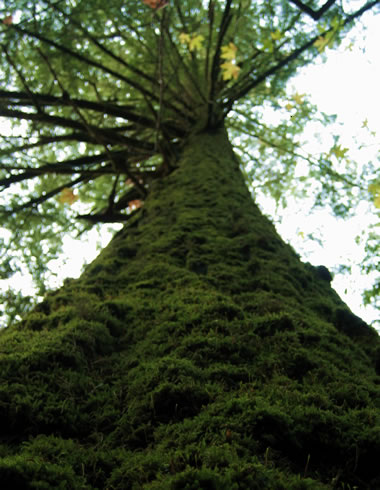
316, 15
66, 166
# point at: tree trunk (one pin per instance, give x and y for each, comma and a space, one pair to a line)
195, 352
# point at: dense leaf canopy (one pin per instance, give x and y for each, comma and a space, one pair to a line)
100, 96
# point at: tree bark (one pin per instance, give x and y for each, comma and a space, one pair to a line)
196, 351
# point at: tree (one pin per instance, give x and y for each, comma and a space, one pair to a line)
196, 351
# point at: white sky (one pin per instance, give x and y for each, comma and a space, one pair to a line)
346, 85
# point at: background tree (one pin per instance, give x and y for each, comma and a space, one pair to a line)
196, 351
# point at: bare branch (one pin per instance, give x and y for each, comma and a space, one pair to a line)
85, 60
66, 166
123, 111
108, 217
271, 71
316, 15
22, 78
210, 14
226, 19
109, 134
52, 100
292, 57
45, 140
361, 11
105, 50
188, 73
46, 196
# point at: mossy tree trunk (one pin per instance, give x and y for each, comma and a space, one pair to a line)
195, 352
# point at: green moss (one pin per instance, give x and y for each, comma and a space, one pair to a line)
197, 351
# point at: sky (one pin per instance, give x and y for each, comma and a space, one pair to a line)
347, 84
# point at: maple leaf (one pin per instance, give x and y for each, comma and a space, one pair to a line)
276, 35
298, 98
321, 43
229, 52
184, 38
67, 196
230, 70
338, 151
268, 45
374, 189
328, 39
196, 42
8, 21
135, 204
289, 106
156, 4
365, 123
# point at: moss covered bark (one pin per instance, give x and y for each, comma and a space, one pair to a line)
196, 352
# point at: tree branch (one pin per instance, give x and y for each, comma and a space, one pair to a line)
45, 197
85, 60
65, 166
361, 11
45, 140
316, 15
107, 217
105, 50
271, 71
109, 134
123, 111
226, 19
188, 73
293, 56
22, 78
52, 100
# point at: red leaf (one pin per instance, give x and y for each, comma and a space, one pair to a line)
8, 21
67, 196
135, 204
156, 4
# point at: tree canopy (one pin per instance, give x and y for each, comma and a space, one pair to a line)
100, 97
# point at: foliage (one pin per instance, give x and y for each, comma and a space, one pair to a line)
100, 98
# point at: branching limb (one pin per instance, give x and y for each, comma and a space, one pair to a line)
45, 140
46, 196
105, 50
66, 166
34, 99
111, 197
290, 58
188, 72
361, 11
314, 14
22, 78
210, 14
85, 60
226, 19
109, 134
96, 134
113, 217
124, 111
